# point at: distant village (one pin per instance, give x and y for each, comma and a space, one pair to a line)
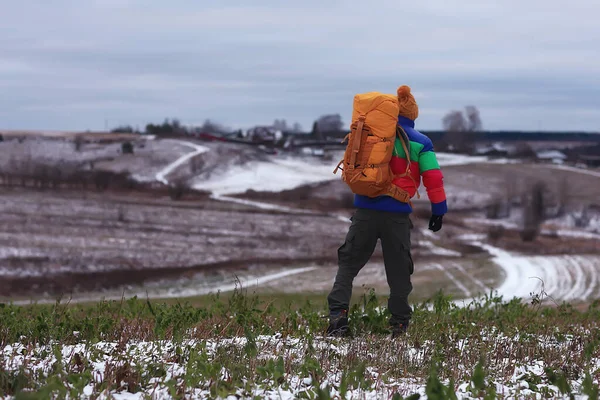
462, 133
328, 133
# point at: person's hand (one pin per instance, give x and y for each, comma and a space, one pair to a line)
435, 223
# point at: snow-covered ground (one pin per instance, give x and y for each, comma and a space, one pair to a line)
277, 174
282, 173
157, 369
261, 205
437, 250
562, 278
563, 227
449, 159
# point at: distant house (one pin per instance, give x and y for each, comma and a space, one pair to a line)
554, 156
586, 155
590, 161
264, 134
312, 151
493, 150
211, 137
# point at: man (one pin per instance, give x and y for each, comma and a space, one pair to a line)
388, 219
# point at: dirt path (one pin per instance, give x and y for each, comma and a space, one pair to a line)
161, 176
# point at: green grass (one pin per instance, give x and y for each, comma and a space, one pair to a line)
446, 344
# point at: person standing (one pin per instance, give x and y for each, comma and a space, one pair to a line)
388, 219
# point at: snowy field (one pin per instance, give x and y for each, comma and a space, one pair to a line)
295, 368
150, 156
95, 236
69, 242
110, 246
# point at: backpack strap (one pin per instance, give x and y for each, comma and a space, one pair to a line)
339, 166
357, 140
406, 146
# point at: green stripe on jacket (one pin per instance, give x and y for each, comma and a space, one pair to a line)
428, 161
415, 150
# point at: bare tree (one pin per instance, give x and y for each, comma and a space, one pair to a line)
212, 127
296, 127
196, 164
582, 219
280, 125
455, 126
474, 123
498, 208
534, 212
563, 196
123, 129
524, 150
330, 123
460, 128
127, 148
316, 133
78, 143
454, 121
178, 189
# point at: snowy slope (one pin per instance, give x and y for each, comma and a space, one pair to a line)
274, 175
283, 173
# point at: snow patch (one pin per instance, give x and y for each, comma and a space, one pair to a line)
509, 377
438, 250
275, 175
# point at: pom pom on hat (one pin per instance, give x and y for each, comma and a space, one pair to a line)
407, 104
403, 91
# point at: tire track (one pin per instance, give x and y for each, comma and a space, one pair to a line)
593, 283
454, 280
201, 289
579, 281
565, 278
475, 280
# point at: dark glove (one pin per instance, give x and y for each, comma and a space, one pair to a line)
435, 223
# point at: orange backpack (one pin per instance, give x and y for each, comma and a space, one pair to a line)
366, 164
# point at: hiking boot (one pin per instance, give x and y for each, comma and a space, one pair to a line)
338, 324
399, 330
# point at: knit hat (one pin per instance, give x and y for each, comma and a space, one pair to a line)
406, 102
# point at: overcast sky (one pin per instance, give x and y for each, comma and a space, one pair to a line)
82, 64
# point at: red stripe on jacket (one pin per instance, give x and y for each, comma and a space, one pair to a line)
434, 183
433, 180
399, 168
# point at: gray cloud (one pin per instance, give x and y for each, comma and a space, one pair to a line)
74, 65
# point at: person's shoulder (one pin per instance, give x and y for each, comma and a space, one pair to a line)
418, 137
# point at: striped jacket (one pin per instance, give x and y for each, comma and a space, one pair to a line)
424, 165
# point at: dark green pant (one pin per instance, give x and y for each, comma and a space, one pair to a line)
394, 231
